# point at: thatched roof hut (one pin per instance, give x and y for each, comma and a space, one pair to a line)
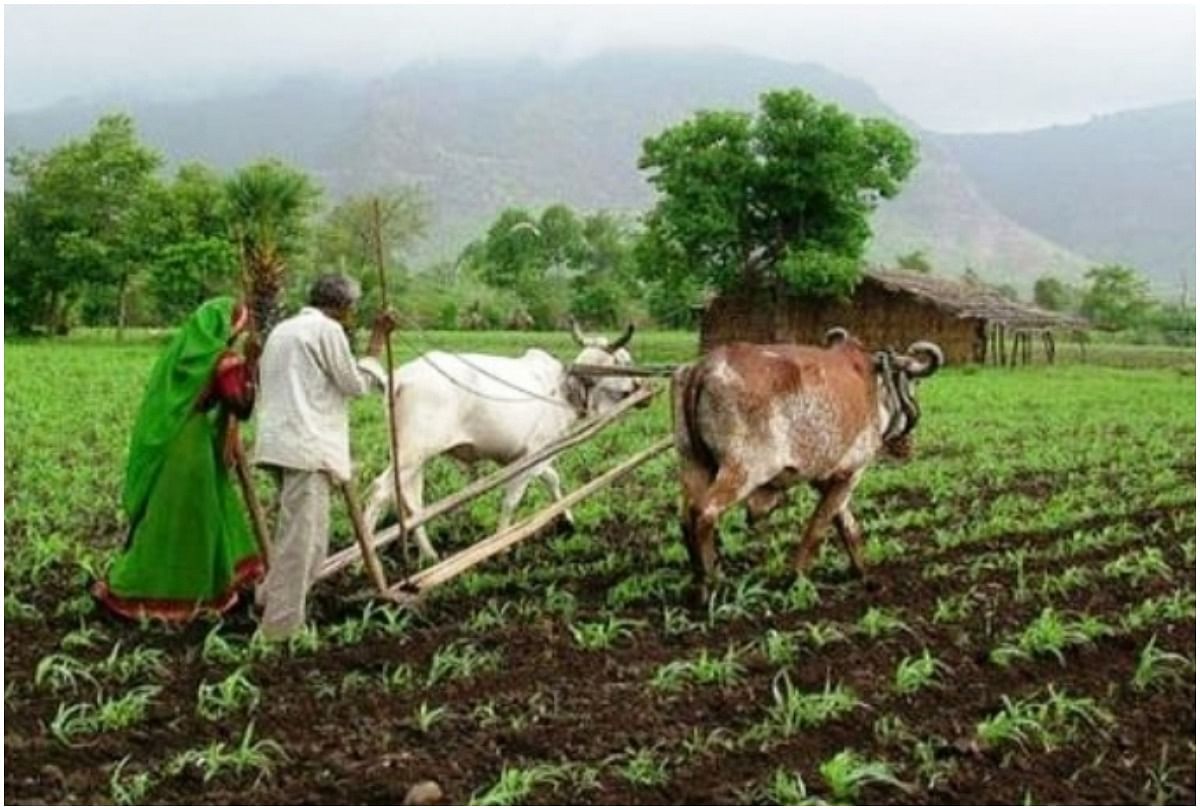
971, 323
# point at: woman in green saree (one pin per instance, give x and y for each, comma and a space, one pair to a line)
189, 547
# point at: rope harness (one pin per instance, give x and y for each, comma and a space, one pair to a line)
585, 382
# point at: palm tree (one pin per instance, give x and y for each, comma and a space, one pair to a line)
269, 206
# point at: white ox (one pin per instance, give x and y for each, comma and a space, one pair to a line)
481, 407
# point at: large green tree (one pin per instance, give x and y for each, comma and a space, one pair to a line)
82, 216
532, 255
510, 255
1052, 293
521, 248
781, 196
1117, 297
557, 262
606, 288
198, 259
1174, 323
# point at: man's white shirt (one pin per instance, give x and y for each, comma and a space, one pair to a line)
307, 377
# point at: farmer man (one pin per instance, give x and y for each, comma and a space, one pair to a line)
308, 375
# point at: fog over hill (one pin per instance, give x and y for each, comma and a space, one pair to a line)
1121, 187
478, 136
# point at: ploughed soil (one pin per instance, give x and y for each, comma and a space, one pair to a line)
351, 741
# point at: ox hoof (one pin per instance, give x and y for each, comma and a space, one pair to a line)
564, 526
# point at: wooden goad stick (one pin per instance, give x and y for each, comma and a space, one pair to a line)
258, 520
390, 394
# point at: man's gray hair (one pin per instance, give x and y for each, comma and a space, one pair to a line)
334, 291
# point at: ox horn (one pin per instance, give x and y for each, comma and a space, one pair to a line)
835, 336
577, 333
620, 342
934, 359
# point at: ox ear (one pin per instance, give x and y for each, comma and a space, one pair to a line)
577, 333
620, 342
922, 359
575, 391
835, 336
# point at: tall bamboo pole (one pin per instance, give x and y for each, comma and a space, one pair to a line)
377, 223
258, 519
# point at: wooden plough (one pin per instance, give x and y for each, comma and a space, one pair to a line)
421, 582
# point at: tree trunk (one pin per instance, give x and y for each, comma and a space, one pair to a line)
122, 307
58, 314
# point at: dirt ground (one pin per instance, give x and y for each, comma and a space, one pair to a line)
581, 706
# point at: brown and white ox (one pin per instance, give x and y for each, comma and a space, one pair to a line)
752, 420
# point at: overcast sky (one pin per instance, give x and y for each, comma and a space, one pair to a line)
947, 68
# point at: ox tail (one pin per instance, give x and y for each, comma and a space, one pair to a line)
687, 384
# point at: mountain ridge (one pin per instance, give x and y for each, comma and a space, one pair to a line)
1120, 186
484, 134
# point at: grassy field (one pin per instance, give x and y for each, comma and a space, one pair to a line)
1033, 637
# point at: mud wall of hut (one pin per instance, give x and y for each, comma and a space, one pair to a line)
876, 316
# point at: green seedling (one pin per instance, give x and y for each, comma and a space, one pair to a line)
603, 634
644, 768
847, 773
233, 694
129, 790
425, 718
248, 756
1156, 667
915, 674
516, 784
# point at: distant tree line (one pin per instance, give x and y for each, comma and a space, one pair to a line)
1116, 298
1112, 297
97, 234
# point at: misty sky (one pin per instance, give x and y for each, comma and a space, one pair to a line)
947, 68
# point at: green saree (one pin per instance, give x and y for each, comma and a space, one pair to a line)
189, 546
